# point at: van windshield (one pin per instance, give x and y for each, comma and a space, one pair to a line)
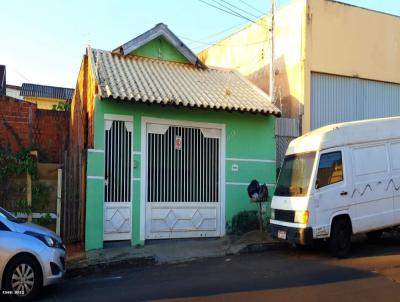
295, 174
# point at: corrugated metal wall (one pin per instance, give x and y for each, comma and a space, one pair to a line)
337, 99
286, 129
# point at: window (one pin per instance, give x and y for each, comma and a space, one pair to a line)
295, 175
8, 215
3, 227
330, 169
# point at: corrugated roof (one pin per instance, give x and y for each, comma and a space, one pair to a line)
47, 91
140, 79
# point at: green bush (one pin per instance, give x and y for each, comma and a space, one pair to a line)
40, 197
243, 222
22, 207
45, 220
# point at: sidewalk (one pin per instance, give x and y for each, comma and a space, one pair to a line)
168, 251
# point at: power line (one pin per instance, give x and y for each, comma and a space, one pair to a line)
236, 7
229, 11
234, 11
222, 31
22, 76
221, 44
257, 10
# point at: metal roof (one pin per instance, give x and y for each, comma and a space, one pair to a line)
140, 79
47, 91
160, 30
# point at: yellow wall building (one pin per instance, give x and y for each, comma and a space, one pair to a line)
45, 97
44, 103
334, 62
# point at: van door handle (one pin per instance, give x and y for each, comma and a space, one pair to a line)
343, 193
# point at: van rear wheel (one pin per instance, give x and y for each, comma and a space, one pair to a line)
340, 241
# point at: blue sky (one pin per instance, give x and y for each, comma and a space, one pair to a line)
43, 41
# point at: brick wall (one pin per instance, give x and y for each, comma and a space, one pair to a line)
22, 125
50, 133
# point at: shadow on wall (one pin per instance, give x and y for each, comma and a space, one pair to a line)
285, 101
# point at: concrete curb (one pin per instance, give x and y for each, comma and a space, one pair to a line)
84, 267
262, 247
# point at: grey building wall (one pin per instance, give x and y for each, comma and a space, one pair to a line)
337, 99
286, 129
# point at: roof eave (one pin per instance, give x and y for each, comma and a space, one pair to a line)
90, 54
132, 100
158, 31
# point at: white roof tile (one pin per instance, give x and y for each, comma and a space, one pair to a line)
135, 78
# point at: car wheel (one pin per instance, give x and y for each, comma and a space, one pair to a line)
23, 277
374, 236
340, 241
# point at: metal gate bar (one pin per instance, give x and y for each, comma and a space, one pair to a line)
117, 163
189, 173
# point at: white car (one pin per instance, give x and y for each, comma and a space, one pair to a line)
339, 180
30, 257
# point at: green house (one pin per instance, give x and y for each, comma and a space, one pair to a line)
171, 143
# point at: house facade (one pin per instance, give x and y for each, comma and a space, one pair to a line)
46, 97
333, 62
171, 143
14, 91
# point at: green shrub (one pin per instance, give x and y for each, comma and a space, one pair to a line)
45, 220
243, 222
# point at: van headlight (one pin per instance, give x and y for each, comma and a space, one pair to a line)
273, 214
301, 217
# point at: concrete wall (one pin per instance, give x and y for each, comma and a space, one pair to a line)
350, 41
247, 136
354, 42
313, 35
248, 52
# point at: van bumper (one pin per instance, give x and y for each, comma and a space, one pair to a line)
294, 235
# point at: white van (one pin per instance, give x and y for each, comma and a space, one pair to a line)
339, 180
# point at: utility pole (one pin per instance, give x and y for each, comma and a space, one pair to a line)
272, 53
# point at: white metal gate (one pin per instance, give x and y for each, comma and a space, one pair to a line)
182, 182
117, 190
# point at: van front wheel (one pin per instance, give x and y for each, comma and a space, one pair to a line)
340, 241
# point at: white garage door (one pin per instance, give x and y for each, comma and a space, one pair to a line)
336, 99
182, 182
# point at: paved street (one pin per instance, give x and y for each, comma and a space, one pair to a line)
288, 274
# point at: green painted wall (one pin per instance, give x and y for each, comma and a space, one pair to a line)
247, 136
160, 48
94, 212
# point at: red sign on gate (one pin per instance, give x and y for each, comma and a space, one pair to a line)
178, 142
